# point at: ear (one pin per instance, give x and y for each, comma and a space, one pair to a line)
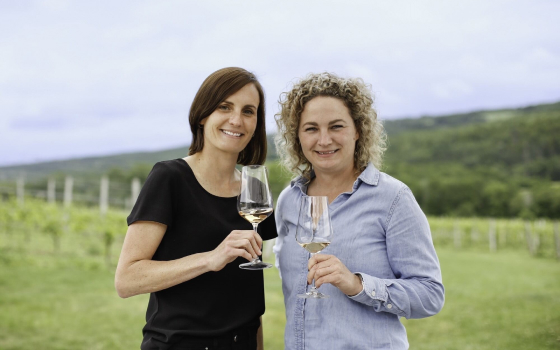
357, 136
203, 121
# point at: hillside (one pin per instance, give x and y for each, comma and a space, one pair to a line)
394, 127
98, 165
412, 127
501, 163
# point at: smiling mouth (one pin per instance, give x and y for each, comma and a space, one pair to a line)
326, 152
230, 133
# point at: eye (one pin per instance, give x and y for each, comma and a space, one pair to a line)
311, 128
337, 126
223, 107
249, 112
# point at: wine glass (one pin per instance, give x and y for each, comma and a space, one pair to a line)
254, 203
314, 232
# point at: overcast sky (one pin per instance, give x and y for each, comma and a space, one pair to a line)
82, 78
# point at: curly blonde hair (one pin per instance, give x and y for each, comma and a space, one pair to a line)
355, 94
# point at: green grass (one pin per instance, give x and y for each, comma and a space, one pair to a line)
506, 300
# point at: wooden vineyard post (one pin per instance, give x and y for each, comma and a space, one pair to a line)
20, 189
68, 185
135, 191
51, 191
492, 235
104, 195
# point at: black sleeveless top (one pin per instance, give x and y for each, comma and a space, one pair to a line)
197, 221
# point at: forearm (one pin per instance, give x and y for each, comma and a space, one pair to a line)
410, 298
260, 338
147, 276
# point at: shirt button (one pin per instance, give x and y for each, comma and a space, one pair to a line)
235, 338
372, 293
389, 306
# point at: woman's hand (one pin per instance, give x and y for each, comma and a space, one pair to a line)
244, 243
326, 268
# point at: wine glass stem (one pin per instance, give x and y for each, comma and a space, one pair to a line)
256, 260
313, 289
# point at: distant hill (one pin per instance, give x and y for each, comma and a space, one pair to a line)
499, 163
99, 165
96, 165
394, 127
417, 127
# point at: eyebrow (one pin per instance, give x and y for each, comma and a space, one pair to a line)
231, 103
330, 123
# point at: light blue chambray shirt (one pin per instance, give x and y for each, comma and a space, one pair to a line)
380, 232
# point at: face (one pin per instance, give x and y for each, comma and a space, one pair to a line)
230, 127
327, 135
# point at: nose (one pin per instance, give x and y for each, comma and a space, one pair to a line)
324, 139
235, 118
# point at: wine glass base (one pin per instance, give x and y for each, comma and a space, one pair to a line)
313, 295
258, 265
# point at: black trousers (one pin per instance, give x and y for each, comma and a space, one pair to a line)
243, 338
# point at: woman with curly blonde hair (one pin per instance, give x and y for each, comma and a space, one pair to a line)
381, 263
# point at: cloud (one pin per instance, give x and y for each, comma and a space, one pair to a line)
451, 89
118, 75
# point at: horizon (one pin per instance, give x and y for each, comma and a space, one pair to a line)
268, 133
75, 82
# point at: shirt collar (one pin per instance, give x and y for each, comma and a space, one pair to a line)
370, 176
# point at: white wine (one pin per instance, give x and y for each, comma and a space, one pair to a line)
255, 216
314, 247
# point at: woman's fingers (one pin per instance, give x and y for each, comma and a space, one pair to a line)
318, 258
331, 270
321, 269
242, 253
248, 240
339, 276
239, 243
331, 274
255, 244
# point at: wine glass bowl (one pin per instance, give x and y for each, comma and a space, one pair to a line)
254, 204
314, 231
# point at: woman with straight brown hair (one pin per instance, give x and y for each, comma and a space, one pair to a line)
186, 238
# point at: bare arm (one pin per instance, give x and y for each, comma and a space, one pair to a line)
260, 343
137, 273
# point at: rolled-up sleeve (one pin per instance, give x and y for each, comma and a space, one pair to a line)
417, 291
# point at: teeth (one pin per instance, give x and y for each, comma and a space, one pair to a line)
231, 133
329, 152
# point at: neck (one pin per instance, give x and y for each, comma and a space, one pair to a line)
332, 184
214, 169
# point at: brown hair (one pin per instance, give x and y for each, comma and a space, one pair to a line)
214, 90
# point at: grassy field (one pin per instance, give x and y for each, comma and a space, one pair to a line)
506, 300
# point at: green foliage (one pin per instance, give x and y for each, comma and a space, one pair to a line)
279, 178
503, 163
474, 165
42, 292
